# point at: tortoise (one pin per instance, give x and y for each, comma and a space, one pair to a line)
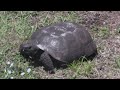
58, 45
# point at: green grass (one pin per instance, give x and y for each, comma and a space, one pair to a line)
81, 67
118, 62
102, 32
16, 27
117, 32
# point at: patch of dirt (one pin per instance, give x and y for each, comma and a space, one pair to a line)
105, 66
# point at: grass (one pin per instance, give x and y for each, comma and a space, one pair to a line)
81, 67
117, 30
102, 32
118, 62
16, 27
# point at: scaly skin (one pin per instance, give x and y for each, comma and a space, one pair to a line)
47, 62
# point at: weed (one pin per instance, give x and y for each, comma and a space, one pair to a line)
81, 67
118, 62
104, 32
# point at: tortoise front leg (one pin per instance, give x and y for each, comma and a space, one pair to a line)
47, 62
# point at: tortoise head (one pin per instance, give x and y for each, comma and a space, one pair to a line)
28, 50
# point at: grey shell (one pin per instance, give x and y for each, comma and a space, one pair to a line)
64, 41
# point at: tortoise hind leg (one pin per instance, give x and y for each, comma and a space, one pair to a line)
47, 62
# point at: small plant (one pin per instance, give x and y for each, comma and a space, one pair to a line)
118, 62
103, 32
81, 67
117, 30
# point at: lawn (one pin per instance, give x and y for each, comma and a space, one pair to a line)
17, 26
